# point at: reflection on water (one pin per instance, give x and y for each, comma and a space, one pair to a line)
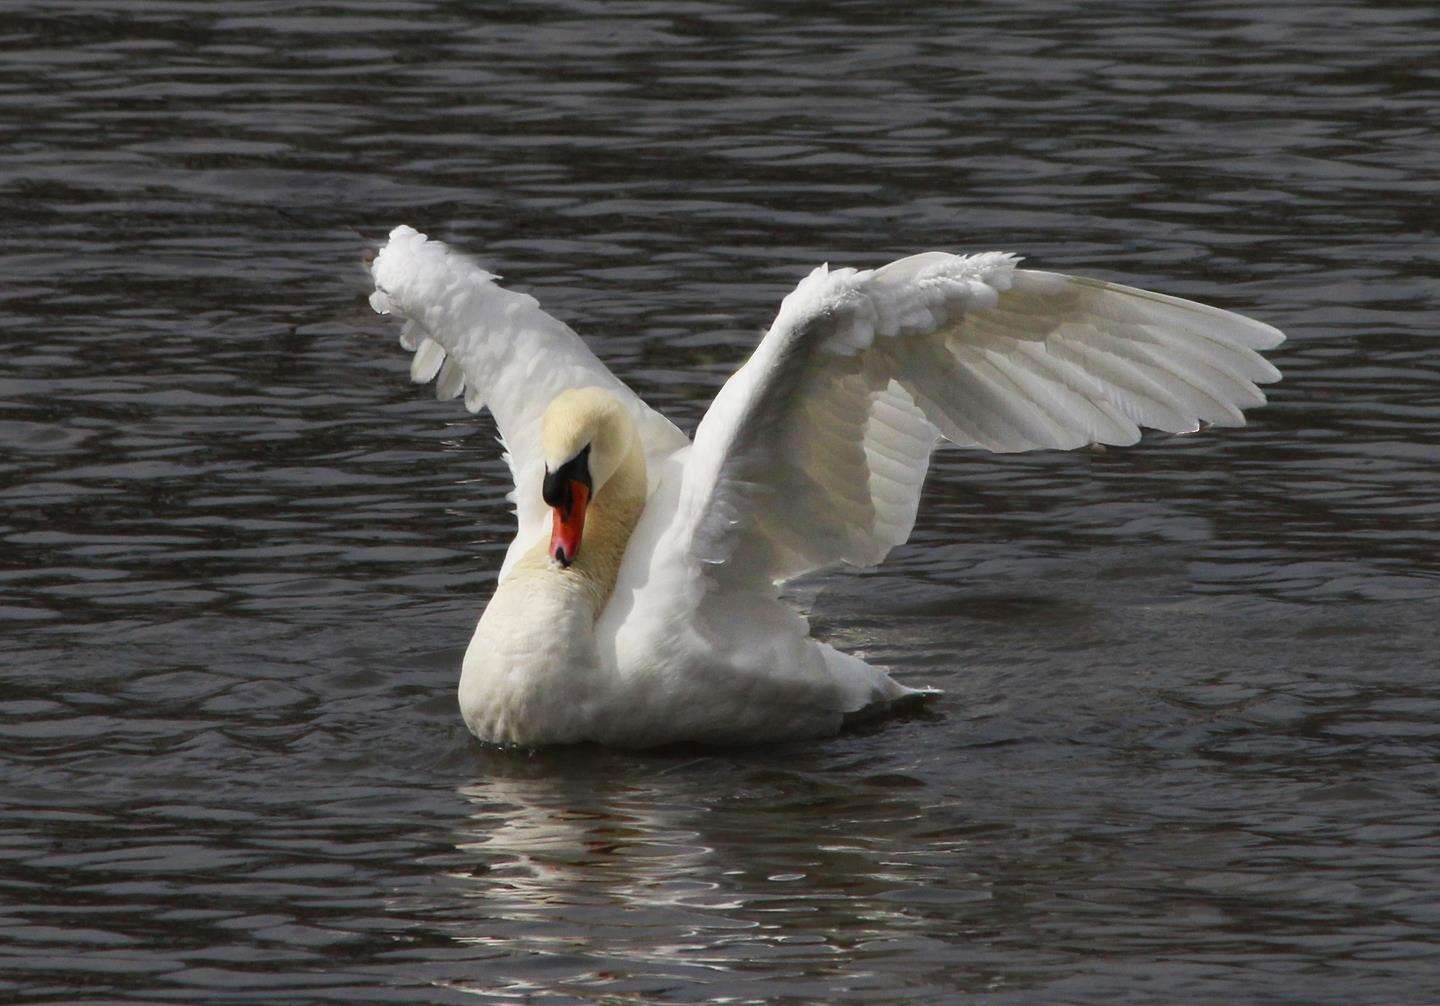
649, 882
1187, 752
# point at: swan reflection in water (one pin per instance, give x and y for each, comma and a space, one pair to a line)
718, 867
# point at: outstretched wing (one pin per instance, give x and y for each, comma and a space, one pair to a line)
499, 349
814, 452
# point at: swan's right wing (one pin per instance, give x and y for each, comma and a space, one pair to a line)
814, 452
498, 348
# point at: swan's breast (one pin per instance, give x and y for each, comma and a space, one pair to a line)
530, 670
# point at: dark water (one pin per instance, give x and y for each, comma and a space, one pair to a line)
1189, 746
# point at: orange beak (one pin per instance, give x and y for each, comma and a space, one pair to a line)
569, 523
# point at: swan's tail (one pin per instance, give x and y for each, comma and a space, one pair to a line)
870, 693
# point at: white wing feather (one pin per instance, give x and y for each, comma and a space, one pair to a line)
497, 347
814, 452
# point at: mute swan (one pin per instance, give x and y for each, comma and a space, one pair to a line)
639, 604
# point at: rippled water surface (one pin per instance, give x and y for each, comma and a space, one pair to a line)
1188, 746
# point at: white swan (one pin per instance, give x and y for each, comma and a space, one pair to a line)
638, 604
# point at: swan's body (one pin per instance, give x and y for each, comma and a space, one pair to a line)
641, 605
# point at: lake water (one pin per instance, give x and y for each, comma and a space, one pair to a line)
1188, 747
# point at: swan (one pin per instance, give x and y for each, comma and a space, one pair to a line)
639, 603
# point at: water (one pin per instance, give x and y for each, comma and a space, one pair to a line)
1187, 751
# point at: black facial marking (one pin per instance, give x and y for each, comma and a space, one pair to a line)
556, 488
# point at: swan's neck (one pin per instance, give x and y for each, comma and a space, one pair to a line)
532, 668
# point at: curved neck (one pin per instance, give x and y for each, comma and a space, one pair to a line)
611, 519
613, 512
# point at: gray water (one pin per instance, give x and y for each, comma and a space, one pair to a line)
1188, 747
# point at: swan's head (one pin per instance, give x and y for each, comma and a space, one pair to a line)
585, 435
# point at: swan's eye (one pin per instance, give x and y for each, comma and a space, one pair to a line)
556, 491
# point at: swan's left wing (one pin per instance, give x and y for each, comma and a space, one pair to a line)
814, 452
498, 348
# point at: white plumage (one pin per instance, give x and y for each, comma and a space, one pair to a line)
812, 455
